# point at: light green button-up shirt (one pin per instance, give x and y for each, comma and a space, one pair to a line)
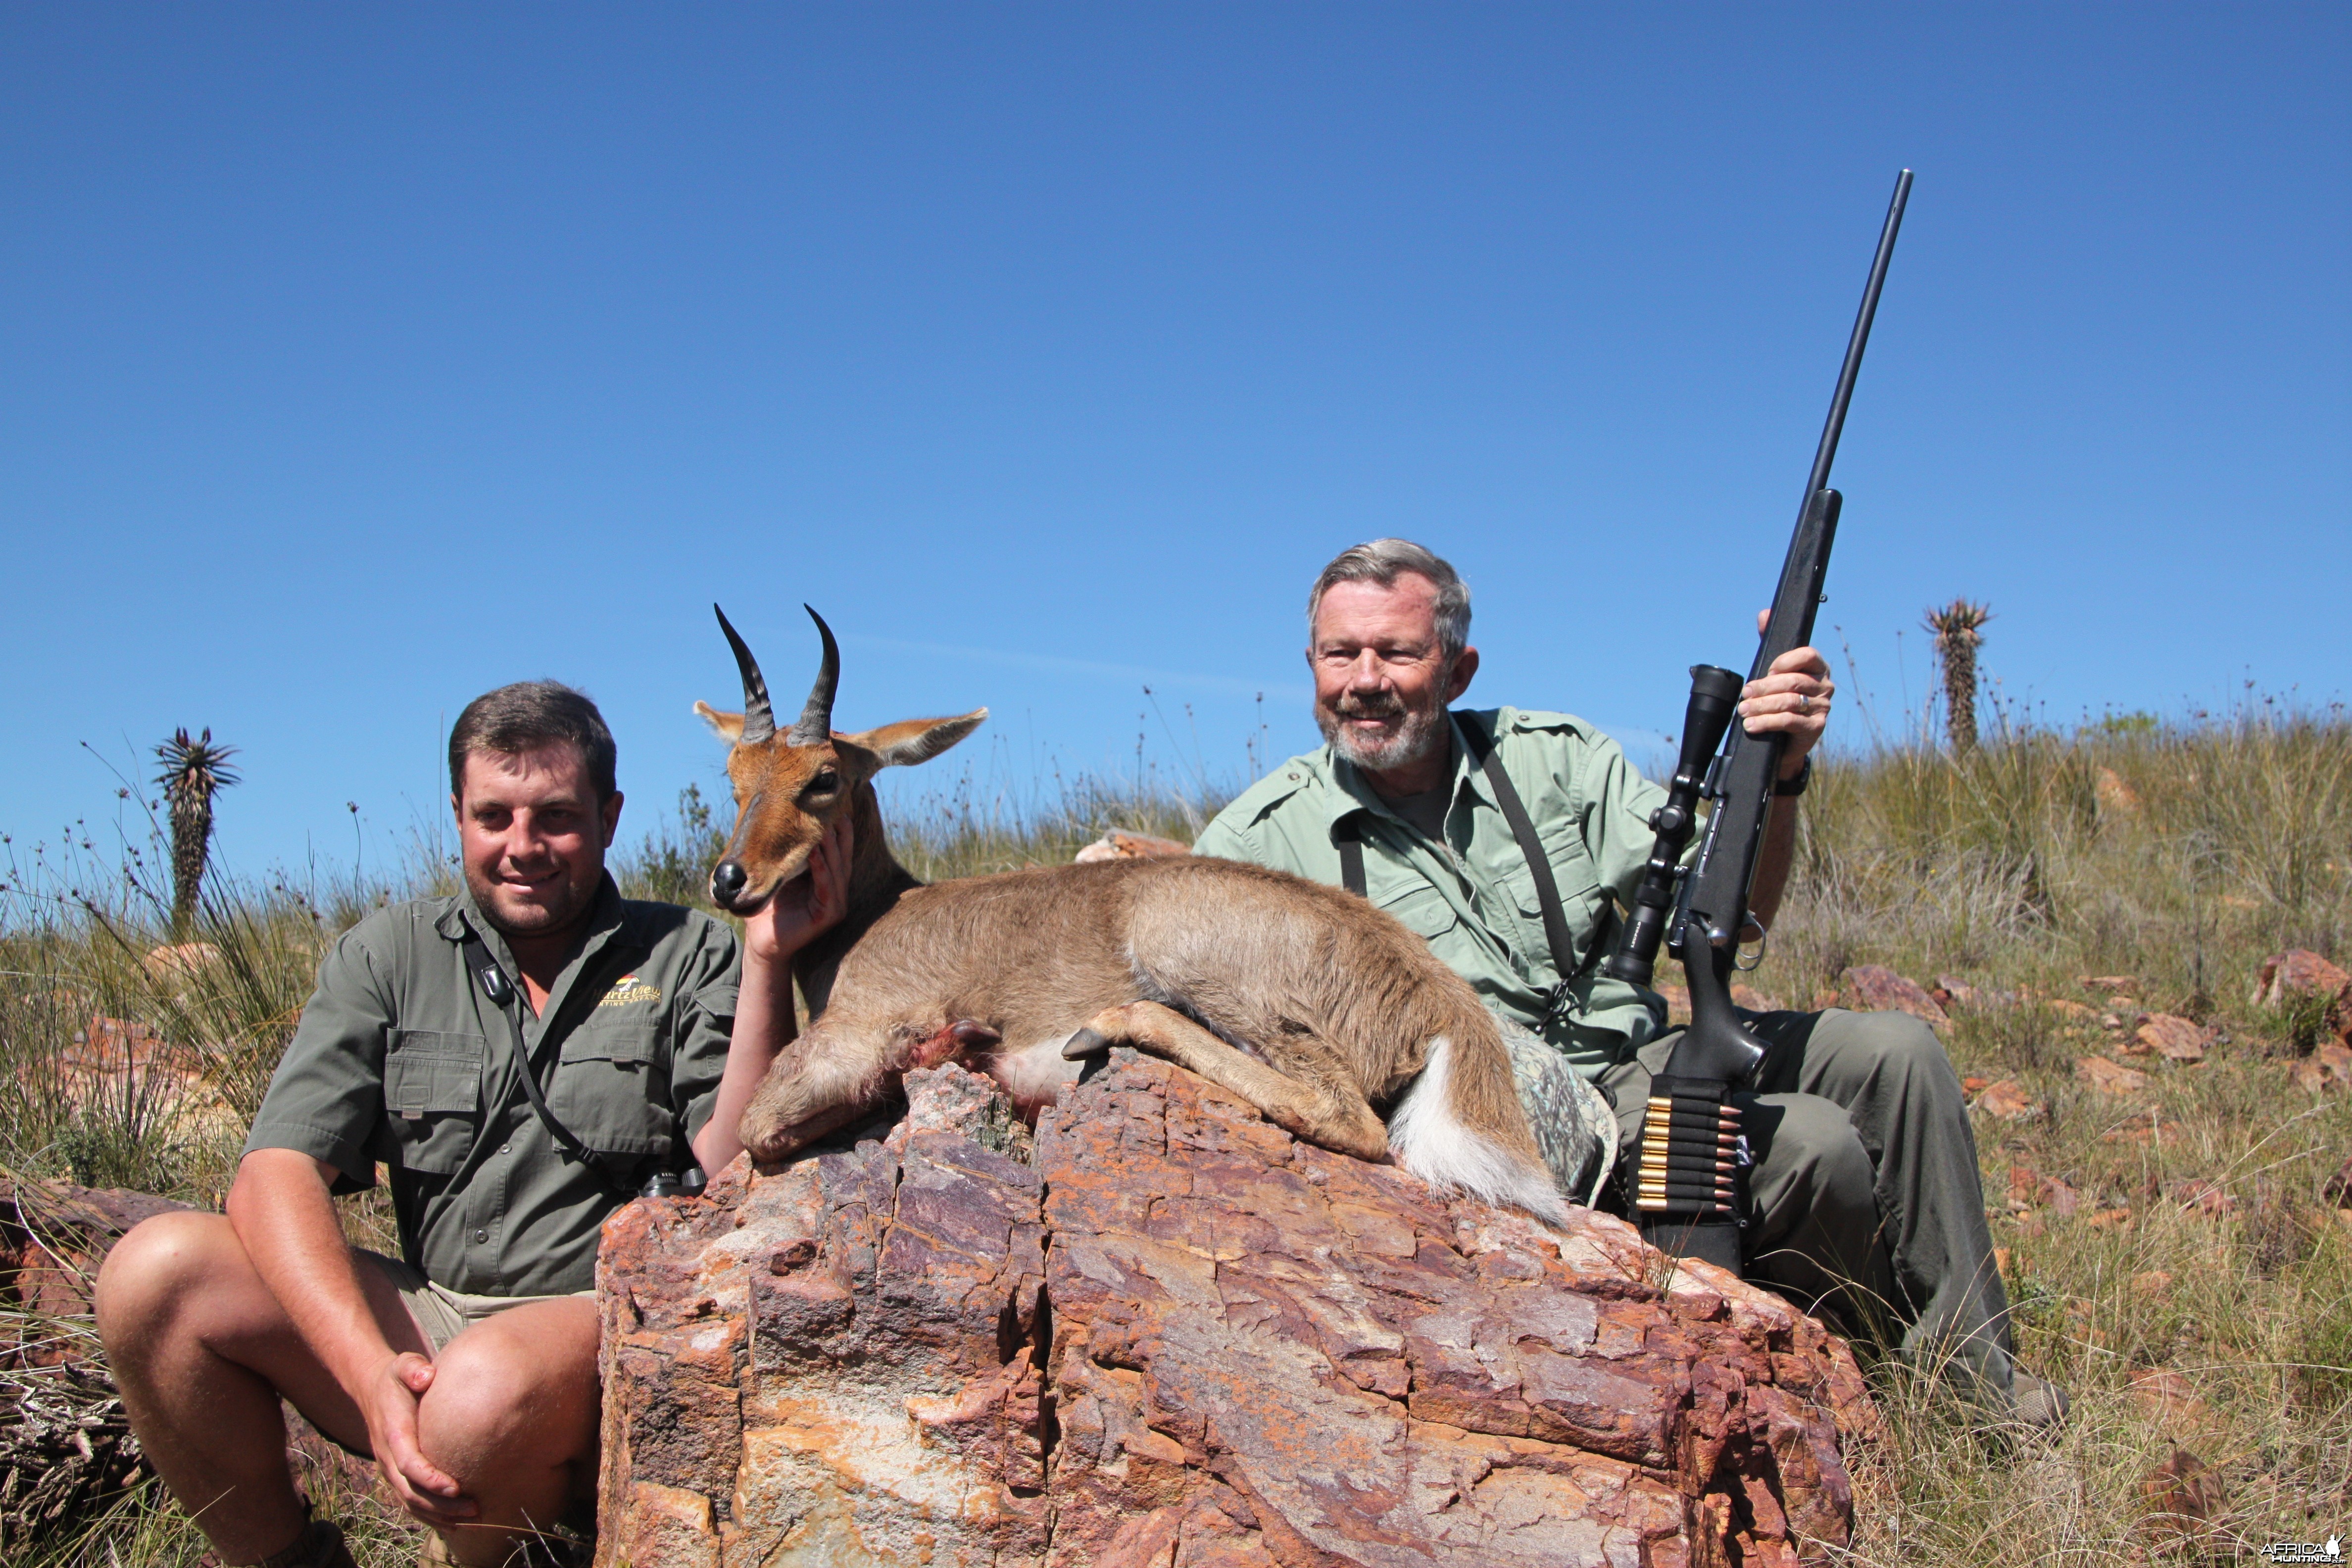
1472, 897
400, 1059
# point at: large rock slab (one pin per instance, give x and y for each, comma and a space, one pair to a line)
1171, 1335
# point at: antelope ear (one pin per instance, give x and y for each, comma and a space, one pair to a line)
912, 741
728, 727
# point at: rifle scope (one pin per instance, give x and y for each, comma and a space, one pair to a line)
1714, 697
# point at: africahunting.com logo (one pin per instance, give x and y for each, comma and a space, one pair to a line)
629, 989
2328, 1551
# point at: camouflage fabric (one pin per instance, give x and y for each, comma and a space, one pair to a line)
1576, 1130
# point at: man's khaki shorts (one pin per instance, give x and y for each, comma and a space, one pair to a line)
442, 1314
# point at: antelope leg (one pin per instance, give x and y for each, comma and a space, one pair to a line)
1337, 1118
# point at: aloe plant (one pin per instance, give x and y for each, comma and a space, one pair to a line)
1959, 628
193, 770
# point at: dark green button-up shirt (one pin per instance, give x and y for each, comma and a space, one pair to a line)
399, 1058
1470, 896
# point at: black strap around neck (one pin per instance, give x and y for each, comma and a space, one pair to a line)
1515, 812
503, 994
1348, 838
1352, 858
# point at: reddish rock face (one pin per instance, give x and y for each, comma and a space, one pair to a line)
1176, 1336
53, 1236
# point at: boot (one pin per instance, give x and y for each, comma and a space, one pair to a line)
320, 1546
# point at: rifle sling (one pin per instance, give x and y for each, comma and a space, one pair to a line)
1523, 830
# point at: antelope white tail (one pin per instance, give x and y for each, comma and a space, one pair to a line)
1429, 1139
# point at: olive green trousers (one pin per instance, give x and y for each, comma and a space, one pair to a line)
1865, 1197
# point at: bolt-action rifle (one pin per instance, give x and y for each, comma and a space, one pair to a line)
1687, 1175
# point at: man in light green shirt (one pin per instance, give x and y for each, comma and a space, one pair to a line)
1864, 1195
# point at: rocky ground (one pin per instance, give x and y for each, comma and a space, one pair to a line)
1168, 1334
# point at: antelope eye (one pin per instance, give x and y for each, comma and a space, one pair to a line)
826, 782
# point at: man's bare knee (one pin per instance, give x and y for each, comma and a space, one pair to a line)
154, 1275
513, 1392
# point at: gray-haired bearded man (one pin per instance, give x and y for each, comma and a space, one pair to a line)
1865, 1195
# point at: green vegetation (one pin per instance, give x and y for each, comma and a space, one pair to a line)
2166, 861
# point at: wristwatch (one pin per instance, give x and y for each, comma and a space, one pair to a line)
1795, 786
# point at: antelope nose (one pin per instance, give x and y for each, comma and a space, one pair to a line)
727, 882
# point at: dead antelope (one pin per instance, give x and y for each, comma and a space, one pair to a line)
1304, 1000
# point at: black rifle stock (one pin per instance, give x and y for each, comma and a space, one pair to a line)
1688, 1170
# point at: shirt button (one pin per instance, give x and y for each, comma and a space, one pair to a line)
481, 1235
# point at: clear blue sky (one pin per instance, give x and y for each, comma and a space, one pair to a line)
356, 359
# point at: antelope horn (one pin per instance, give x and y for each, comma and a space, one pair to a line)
758, 718
815, 727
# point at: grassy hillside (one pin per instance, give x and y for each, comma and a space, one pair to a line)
2174, 1252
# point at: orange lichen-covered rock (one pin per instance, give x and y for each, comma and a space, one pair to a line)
1171, 1334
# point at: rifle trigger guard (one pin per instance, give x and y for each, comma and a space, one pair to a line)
1763, 946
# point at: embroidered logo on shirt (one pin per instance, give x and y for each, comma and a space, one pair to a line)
628, 989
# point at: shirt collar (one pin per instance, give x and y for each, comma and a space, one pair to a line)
1351, 792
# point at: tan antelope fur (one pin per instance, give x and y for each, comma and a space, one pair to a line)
1305, 1001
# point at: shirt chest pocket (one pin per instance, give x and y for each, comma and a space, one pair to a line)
611, 1086
1582, 900
433, 1098
1422, 908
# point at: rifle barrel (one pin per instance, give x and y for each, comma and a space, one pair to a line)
1827, 454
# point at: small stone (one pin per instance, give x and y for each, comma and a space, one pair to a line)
2105, 982
2184, 1498
2030, 1189
792, 1254
2174, 1039
2007, 1101
2112, 795
1975, 1086
2109, 1078
2199, 1195
2156, 1282
179, 961
2169, 1399
1117, 845
1878, 989
2297, 971
2335, 1059
2338, 1187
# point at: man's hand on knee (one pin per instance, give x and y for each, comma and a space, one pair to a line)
389, 1399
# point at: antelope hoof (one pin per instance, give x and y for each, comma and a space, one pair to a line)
1084, 1044
771, 1140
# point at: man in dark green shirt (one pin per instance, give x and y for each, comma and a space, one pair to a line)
1865, 1187
467, 1366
